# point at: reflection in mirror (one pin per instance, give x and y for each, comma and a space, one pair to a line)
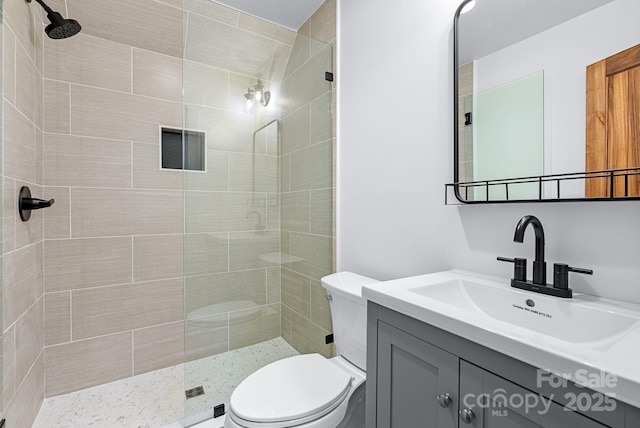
524, 108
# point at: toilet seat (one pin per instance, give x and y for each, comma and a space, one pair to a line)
290, 392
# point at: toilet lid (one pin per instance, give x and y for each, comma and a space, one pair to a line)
290, 389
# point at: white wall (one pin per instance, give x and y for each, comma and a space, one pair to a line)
563, 52
395, 155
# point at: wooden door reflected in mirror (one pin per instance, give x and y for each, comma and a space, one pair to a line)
613, 123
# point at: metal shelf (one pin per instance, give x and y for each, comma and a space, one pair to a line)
548, 188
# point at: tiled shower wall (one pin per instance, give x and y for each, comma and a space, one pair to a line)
23, 359
115, 294
94, 287
308, 144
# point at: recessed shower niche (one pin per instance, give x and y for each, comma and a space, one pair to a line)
183, 149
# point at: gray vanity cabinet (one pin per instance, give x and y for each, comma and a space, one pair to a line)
504, 413
413, 366
418, 375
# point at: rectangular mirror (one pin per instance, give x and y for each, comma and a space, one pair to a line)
547, 97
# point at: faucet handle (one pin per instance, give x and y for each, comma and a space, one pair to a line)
561, 274
519, 268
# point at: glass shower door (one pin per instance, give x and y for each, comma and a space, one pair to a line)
258, 221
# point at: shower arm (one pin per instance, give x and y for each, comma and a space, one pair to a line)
44, 6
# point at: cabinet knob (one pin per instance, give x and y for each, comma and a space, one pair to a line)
467, 415
444, 400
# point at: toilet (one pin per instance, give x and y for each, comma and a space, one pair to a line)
311, 391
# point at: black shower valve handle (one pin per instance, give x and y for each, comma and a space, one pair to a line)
36, 204
519, 267
26, 203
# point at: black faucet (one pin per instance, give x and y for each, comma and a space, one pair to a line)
539, 265
561, 271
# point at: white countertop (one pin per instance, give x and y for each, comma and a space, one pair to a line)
616, 356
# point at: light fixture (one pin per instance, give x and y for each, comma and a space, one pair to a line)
467, 7
257, 94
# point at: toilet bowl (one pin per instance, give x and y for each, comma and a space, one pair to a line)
311, 391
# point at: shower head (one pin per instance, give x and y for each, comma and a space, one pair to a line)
60, 28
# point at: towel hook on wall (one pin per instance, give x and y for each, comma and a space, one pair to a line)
26, 203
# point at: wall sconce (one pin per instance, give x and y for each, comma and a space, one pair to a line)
257, 94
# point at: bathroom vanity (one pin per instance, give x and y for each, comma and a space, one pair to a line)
440, 357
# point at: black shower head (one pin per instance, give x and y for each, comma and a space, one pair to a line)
60, 28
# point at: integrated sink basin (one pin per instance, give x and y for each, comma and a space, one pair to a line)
546, 315
561, 336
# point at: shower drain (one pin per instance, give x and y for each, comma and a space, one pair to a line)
194, 392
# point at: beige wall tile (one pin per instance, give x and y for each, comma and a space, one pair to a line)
323, 22
206, 336
206, 253
147, 173
273, 284
296, 130
29, 339
313, 253
56, 106
221, 212
311, 167
29, 87
266, 29
228, 131
285, 173
253, 173
227, 47
118, 308
88, 60
322, 118
8, 365
115, 115
57, 220
279, 62
145, 24
205, 85
57, 318
218, 293
77, 365
296, 292
110, 212
21, 18
9, 61
251, 250
307, 337
86, 162
215, 178
157, 75
253, 325
157, 257
22, 277
300, 54
320, 309
22, 410
322, 212
158, 347
273, 211
212, 10
19, 146
307, 82
296, 211
84, 263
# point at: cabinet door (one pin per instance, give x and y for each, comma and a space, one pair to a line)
411, 374
489, 401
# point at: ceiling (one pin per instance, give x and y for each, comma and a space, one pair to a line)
286, 13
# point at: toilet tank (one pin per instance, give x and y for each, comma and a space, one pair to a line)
349, 315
